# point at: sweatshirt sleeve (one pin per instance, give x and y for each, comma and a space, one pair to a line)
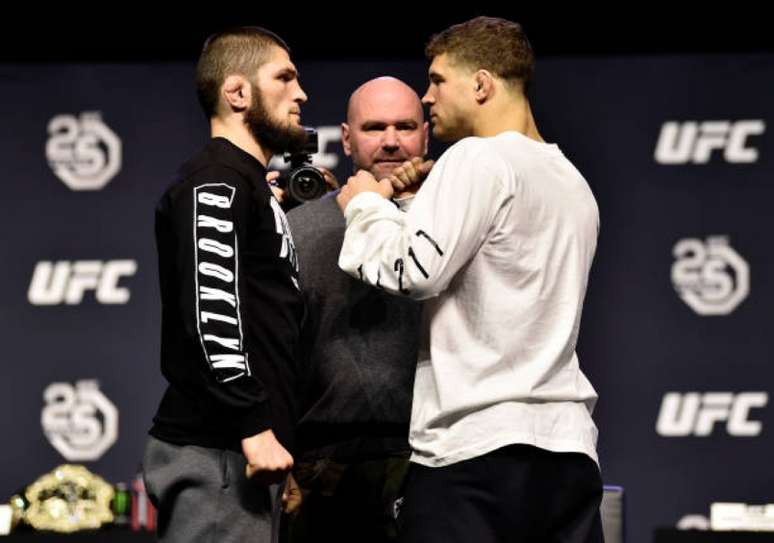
211, 217
419, 252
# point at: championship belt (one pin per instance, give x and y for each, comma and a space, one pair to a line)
68, 499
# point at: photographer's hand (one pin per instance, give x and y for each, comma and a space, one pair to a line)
330, 179
271, 179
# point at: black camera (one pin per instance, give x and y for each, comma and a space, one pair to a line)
303, 182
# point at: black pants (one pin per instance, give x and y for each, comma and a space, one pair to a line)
515, 494
348, 503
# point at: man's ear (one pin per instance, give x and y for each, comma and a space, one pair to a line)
236, 93
345, 141
483, 82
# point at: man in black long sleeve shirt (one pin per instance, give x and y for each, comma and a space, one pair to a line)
231, 307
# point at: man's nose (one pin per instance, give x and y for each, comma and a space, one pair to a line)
390, 139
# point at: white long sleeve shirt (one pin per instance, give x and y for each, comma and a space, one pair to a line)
498, 242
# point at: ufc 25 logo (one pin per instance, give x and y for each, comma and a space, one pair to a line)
83, 152
65, 282
694, 142
79, 421
696, 414
710, 277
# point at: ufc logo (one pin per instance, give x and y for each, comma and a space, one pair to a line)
697, 414
66, 282
694, 142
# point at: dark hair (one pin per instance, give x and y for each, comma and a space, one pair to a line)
488, 43
235, 51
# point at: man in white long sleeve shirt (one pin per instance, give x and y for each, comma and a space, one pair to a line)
499, 242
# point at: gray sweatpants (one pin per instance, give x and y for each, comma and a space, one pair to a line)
202, 495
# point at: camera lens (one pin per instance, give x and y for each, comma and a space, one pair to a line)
306, 183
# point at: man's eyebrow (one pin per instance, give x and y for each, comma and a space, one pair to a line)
373, 124
288, 70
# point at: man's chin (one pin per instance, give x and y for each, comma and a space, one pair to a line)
445, 135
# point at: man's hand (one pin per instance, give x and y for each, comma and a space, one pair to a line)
267, 460
271, 179
291, 496
330, 179
363, 182
410, 173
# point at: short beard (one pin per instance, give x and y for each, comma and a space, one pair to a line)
453, 134
268, 132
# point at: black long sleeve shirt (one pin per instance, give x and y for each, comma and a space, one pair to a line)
231, 306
